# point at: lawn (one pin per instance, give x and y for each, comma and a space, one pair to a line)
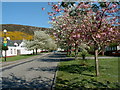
79, 55
14, 58
77, 74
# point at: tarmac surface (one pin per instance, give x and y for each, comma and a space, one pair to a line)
35, 72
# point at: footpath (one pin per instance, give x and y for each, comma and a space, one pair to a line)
8, 64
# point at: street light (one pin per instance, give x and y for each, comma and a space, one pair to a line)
5, 41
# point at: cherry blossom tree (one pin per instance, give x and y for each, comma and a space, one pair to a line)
93, 23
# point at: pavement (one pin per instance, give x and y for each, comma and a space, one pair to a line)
35, 72
7, 64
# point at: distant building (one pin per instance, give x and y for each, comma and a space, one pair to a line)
15, 47
114, 48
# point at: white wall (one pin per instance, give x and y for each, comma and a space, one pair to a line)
13, 51
23, 50
118, 47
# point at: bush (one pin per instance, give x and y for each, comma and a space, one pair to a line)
4, 47
83, 53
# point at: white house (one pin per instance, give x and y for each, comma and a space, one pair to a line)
16, 48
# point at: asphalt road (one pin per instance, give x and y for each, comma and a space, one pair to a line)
37, 73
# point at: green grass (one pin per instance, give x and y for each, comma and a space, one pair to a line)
81, 74
79, 55
14, 58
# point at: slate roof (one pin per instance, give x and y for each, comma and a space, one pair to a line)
11, 42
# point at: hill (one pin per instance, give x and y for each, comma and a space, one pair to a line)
22, 28
19, 32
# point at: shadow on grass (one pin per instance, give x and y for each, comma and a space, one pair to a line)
18, 82
76, 68
83, 83
27, 55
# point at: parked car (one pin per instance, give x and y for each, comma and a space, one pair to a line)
116, 53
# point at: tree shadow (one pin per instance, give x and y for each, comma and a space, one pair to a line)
18, 82
57, 55
55, 59
83, 84
76, 68
47, 69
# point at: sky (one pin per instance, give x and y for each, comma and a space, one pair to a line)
26, 13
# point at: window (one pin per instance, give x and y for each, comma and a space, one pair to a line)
11, 51
14, 51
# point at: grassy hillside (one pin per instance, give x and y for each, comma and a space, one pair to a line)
22, 28
19, 32
17, 35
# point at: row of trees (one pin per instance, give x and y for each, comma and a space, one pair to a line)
40, 40
85, 22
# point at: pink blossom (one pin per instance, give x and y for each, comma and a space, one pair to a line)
78, 36
55, 6
43, 8
58, 3
98, 36
57, 10
103, 34
54, 33
113, 6
74, 36
111, 29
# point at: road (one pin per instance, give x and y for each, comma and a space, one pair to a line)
37, 73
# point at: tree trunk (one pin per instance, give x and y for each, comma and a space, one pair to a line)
103, 51
83, 57
76, 51
36, 51
96, 63
69, 50
33, 52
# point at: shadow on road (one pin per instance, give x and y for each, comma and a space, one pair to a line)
18, 82
57, 57
46, 69
42, 83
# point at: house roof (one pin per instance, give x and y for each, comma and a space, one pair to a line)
11, 42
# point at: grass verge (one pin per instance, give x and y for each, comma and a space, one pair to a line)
14, 58
77, 74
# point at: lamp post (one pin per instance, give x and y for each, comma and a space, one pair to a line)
5, 41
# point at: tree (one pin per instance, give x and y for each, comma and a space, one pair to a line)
4, 48
50, 44
94, 23
84, 50
41, 40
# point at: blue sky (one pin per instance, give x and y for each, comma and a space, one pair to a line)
25, 13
